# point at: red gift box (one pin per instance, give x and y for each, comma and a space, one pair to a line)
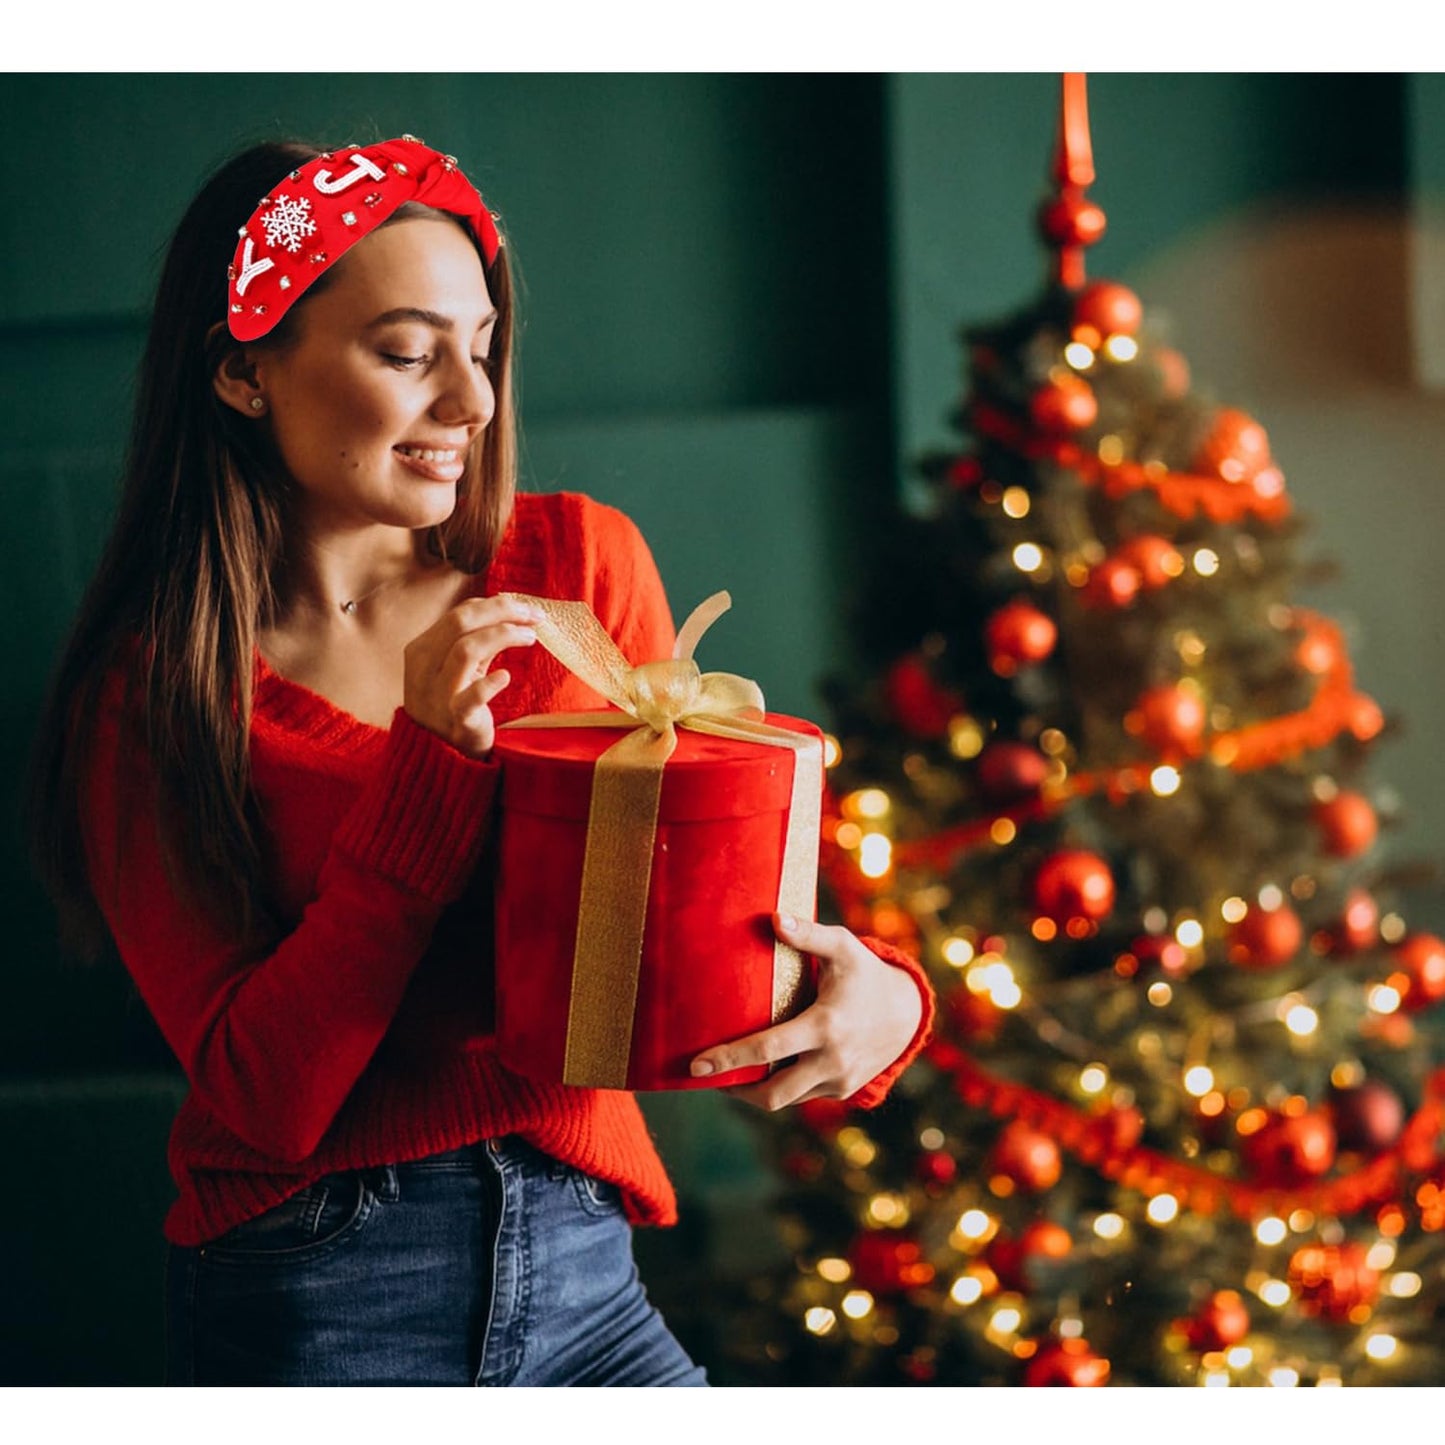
643, 851
710, 967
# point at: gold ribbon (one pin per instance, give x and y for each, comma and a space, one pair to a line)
622, 816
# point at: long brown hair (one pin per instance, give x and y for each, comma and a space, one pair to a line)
186, 579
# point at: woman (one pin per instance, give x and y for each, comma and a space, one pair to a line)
266, 772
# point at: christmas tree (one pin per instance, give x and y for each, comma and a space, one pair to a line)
1179, 1123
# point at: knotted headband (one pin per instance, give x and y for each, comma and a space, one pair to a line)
317, 213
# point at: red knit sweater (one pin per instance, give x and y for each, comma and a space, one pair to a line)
366, 1035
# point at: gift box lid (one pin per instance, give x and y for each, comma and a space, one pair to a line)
548, 771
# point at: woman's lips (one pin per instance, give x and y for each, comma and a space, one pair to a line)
437, 464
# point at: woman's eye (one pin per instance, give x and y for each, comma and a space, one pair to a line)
402, 363
485, 362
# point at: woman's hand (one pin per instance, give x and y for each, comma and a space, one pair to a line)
866, 1013
448, 687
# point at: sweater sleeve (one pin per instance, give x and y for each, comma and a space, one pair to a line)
876, 1090
273, 1040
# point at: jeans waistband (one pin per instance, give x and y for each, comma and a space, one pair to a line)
510, 1153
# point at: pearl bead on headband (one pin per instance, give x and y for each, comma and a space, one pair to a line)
317, 213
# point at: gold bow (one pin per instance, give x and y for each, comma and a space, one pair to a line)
622, 815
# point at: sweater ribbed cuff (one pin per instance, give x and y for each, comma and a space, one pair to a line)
876, 1090
421, 821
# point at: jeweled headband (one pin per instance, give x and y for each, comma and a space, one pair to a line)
317, 213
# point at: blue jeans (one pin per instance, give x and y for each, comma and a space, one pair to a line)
489, 1265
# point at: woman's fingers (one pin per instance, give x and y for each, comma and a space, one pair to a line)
767, 1046
807, 1079
474, 652
864, 1017
448, 687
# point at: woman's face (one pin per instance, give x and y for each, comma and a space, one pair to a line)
374, 405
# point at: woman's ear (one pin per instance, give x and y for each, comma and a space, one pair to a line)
235, 380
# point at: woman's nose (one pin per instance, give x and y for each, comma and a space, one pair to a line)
469, 398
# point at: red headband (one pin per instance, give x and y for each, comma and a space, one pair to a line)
319, 212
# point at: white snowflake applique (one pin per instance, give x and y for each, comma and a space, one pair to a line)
288, 222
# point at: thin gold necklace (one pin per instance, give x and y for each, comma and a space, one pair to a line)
352, 603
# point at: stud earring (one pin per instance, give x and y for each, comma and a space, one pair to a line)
258, 404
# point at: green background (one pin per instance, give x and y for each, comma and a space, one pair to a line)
740, 306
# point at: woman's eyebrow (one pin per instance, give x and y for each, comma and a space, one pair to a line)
429, 318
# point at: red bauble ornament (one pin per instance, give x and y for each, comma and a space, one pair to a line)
1008, 772
1070, 220
921, 706
888, 1261
1421, 958
1236, 448
936, 1166
1163, 949
1065, 404
1156, 559
1073, 884
1113, 583
1018, 634
1359, 926
1368, 1118
1027, 1156
1067, 1362
1111, 309
1347, 824
1266, 938
1172, 719
1223, 1321
1291, 1148
1331, 1281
